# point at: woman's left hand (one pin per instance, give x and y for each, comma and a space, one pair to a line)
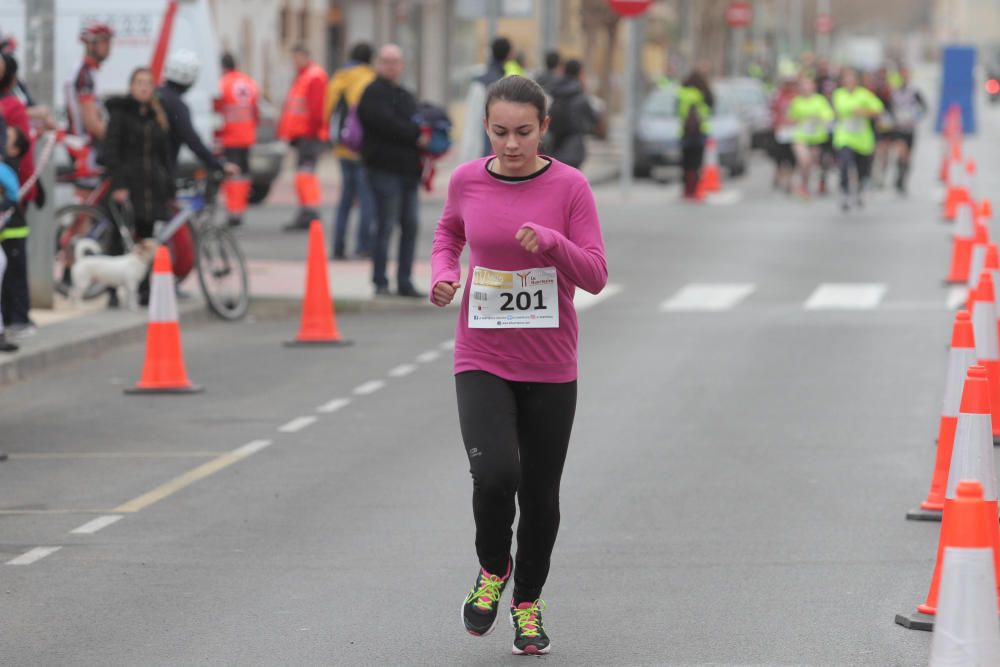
528, 239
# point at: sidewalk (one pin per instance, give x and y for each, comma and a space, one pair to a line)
275, 261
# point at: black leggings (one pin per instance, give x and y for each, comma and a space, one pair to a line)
516, 435
863, 163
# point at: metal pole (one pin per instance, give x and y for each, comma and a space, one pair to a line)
39, 65
549, 29
823, 39
632, 34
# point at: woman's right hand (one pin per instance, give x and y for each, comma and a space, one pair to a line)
120, 195
444, 293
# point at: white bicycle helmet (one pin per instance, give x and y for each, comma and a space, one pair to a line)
181, 67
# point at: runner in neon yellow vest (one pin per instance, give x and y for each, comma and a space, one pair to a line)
854, 138
812, 114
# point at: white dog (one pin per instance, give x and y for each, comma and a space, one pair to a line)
119, 271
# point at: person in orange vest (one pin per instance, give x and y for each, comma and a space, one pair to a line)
237, 103
303, 125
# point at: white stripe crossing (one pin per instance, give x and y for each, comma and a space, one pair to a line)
846, 296
448, 345
297, 424
334, 405
369, 387
708, 297
583, 300
956, 297
402, 370
100, 522
429, 356
251, 447
33, 556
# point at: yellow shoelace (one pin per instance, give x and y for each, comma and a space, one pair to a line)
488, 592
528, 621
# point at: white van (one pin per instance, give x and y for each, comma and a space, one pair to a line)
137, 25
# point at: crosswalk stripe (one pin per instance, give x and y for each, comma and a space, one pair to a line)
846, 296
708, 297
584, 300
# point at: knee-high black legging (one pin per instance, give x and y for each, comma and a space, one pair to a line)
516, 435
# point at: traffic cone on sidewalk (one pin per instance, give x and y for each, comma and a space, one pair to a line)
961, 246
984, 327
711, 180
972, 459
163, 371
960, 357
966, 631
319, 321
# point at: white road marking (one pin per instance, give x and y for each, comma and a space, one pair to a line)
297, 424
334, 405
956, 297
846, 296
369, 387
251, 447
95, 525
584, 300
708, 297
448, 345
402, 370
429, 356
33, 556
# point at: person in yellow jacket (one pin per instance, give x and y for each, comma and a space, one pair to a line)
812, 115
853, 137
694, 108
342, 96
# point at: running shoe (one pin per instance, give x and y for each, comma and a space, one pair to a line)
479, 611
529, 636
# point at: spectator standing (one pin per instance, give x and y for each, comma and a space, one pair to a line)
694, 108
342, 97
572, 116
238, 105
303, 125
551, 74
391, 154
84, 109
500, 51
9, 186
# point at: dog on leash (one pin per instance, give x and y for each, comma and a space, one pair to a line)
119, 271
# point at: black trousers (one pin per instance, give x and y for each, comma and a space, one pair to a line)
14, 299
692, 155
516, 436
849, 159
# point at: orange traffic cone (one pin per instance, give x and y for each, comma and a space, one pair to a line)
961, 246
967, 632
960, 357
980, 241
163, 371
984, 327
319, 321
972, 459
710, 180
958, 188
985, 209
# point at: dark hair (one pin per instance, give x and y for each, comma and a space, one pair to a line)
300, 48
228, 61
552, 59
154, 103
697, 80
362, 53
572, 68
500, 48
21, 143
520, 90
10, 73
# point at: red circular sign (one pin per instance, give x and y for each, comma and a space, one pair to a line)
824, 24
739, 14
629, 7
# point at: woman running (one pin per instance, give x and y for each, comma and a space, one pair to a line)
534, 237
812, 115
854, 138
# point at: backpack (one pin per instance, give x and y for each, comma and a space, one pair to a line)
434, 118
692, 122
561, 121
352, 135
338, 118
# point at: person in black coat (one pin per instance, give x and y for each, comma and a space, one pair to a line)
390, 151
572, 117
137, 153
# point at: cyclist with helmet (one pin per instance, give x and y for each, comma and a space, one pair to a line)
84, 109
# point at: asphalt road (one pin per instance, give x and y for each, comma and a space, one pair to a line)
734, 493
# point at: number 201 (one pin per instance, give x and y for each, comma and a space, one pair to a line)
522, 302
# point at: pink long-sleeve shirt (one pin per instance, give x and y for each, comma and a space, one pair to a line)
486, 212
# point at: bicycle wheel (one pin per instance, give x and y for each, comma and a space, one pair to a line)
75, 222
222, 272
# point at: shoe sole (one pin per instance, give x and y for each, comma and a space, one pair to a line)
516, 651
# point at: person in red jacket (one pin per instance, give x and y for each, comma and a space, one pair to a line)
238, 105
302, 124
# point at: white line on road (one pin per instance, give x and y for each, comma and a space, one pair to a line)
427, 357
297, 424
956, 297
95, 525
448, 345
708, 297
33, 556
251, 447
334, 405
584, 300
369, 387
846, 296
402, 370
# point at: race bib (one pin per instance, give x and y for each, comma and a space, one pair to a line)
527, 299
855, 125
784, 135
810, 127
